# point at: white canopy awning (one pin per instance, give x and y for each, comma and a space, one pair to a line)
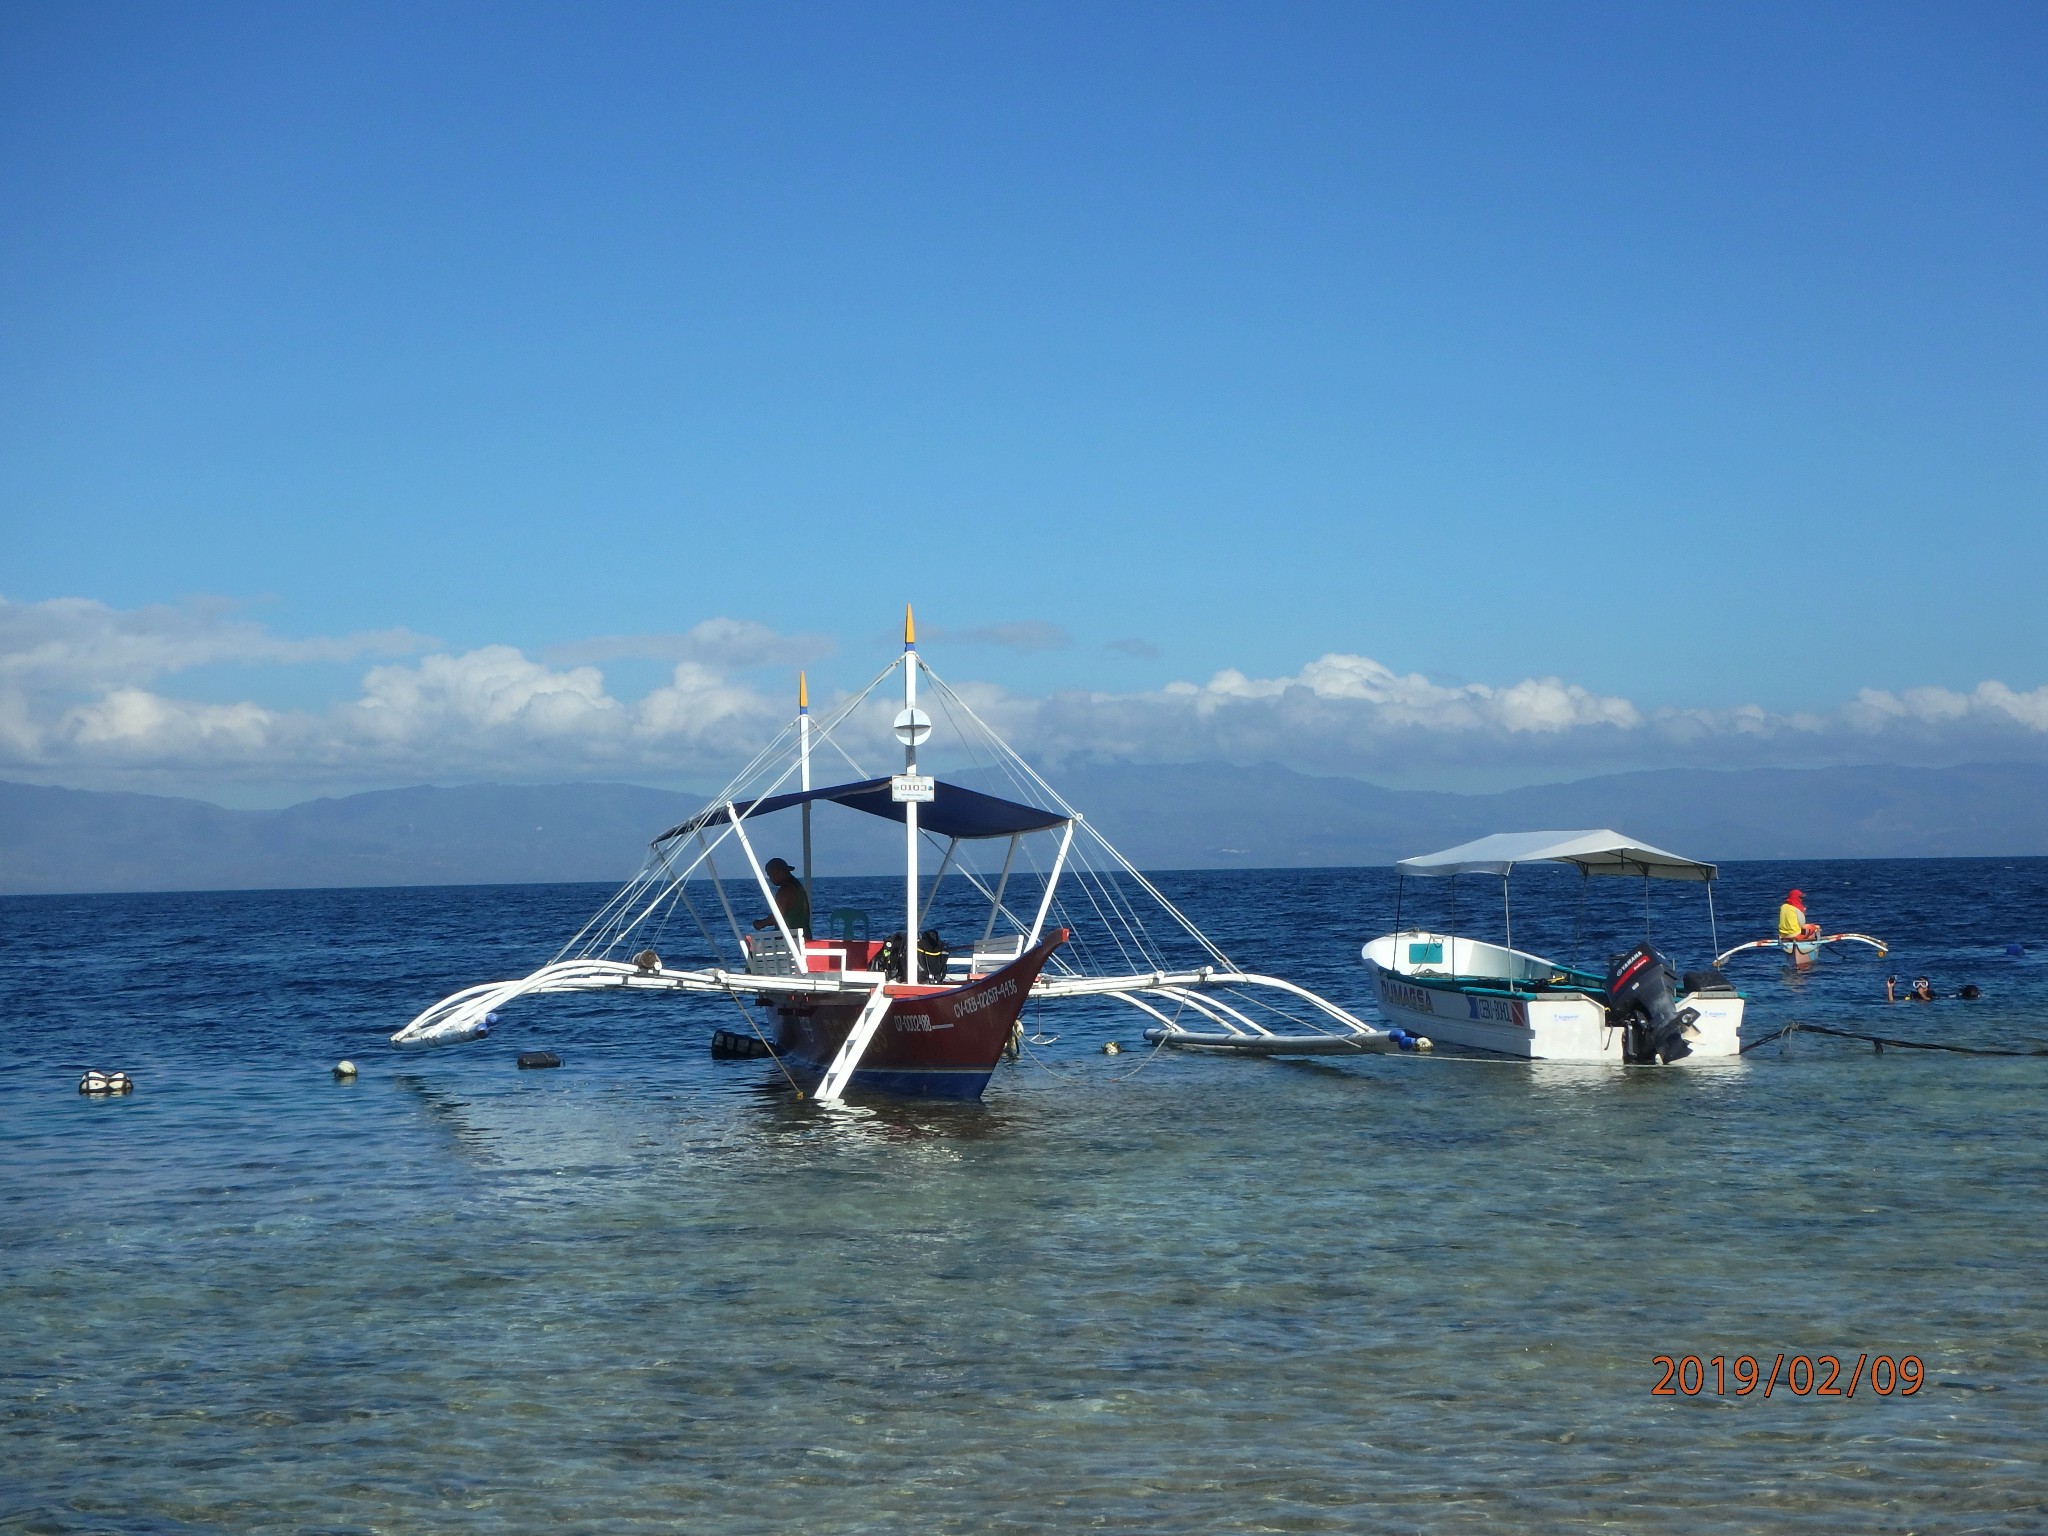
1603, 852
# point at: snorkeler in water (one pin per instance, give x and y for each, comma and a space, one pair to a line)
1922, 991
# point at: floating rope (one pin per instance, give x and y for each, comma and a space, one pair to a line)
1881, 1041
1024, 1050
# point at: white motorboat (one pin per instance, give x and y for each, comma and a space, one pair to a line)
1463, 991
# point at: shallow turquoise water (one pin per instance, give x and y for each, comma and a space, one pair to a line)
651, 1292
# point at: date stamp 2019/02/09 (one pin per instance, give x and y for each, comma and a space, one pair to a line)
1801, 1375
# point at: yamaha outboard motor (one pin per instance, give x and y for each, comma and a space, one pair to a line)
1642, 996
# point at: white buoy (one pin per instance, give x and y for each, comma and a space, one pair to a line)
1112, 1049
344, 1070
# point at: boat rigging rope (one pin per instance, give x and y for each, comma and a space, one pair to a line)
1157, 1046
1024, 1048
1881, 1041
717, 954
756, 1028
1013, 761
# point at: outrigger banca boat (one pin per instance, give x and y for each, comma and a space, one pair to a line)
853, 1012
1802, 951
1494, 997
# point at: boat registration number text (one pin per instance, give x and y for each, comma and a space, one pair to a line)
1498, 1010
1407, 995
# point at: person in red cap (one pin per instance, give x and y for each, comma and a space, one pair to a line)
1795, 932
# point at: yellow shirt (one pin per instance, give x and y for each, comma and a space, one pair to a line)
1791, 921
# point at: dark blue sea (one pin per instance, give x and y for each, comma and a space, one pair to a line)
651, 1291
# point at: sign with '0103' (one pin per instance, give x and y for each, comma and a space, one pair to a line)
912, 786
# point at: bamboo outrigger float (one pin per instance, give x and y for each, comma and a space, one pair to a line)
903, 1015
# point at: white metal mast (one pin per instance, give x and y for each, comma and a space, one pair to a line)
908, 733
803, 737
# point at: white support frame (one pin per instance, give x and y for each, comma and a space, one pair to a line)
1052, 882
855, 1046
967, 873
932, 895
796, 948
1222, 1012
1138, 1002
738, 936
456, 1017
995, 905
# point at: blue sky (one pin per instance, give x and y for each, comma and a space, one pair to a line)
1694, 359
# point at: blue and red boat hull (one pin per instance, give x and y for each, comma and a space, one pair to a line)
934, 1043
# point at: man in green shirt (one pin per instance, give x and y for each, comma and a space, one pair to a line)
791, 899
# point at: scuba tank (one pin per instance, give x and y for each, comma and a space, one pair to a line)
931, 957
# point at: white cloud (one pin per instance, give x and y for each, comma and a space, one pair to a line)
1022, 635
1875, 710
73, 703
74, 642
1352, 716
134, 724
1392, 700
492, 693
77, 703
705, 710
733, 644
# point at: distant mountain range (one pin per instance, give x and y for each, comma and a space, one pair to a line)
1196, 815
477, 834
1209, 814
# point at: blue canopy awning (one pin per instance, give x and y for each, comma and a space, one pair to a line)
951, 812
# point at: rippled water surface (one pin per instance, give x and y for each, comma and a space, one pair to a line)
650, 1291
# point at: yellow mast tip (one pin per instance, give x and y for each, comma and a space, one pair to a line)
909, 626
803, 692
